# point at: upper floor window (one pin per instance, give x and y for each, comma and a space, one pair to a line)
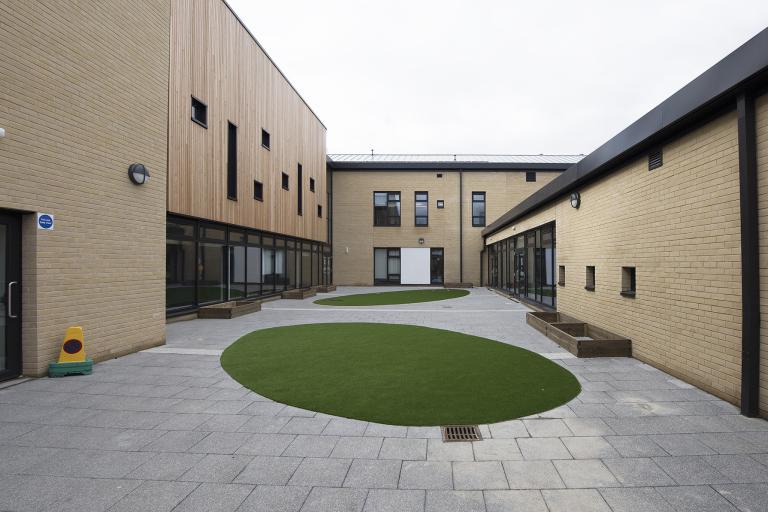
320, 211
199, 112
265, 138
478, 209
311, 184
300, 191
422, 209
258, 190
386, 208
231, 161
530, 175
285, 181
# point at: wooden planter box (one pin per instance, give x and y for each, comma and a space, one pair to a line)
326, 288
299, 294
457, 285
579, 338
229, 310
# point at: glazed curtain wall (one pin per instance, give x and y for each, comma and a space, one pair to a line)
209, 262
524, 265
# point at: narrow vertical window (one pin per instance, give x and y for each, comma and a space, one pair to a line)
590, 284
258, 190
421, 209
320, 211
199, 112
628, 281
232, 161
265, 138
285, 181
300, 191
561, 275
478, 209
311, 184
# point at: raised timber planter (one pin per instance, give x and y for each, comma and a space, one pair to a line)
326, 288
300, 293
579, 338
230, 309
457, 285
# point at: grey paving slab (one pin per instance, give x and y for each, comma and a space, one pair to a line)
267, 470
373, 474
346, 427
514, 501
641, 499
175, 441
455, 501
264, 424
215, 498
496, 449
695, 498
691, 470
321, 472
266, 444
746, 497
426, 475
403, 449
323, 499
508, 429
311, 446
305, 426
166, 466
636, 446
385, 431
575, 500
588, 426
585, 473
224, 423
357, 448
543, 449
682, 444
638, 472
547, 428
221, 442
589, 447
89, 464
385, 500
217, 468
182, 421
44, 493
739, 468
267, 498
535, 474
479, 476
154, 496
439, 450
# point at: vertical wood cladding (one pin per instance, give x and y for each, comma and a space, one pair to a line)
679, 226
214, 59
84, 95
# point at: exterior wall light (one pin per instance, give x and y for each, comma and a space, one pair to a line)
421, 241
2, 133
575, 199
138, 174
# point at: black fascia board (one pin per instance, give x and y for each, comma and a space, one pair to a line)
743, 68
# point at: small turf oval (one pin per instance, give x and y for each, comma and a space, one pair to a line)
396, 297
397, 374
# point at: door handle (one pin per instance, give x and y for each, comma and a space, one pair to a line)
10, 299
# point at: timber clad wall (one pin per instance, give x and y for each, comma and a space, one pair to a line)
354, 235
84, 95
679, 226
761, 107
215, 59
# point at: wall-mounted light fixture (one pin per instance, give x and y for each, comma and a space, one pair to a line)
2, 133
575, 199
421, 241
138, 174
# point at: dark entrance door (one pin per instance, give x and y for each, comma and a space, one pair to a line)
10, 296
436, 265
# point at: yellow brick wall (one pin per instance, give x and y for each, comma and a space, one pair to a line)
354, 235
679, 226
762, 183
84, 94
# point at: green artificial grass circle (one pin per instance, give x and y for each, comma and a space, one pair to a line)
397, 374
398, 297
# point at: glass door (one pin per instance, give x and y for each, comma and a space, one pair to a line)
10, 297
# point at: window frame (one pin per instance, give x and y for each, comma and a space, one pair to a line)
387, 216
231, 161
425, 204
320, 211
257, 185
478, 224
628, 281
312, 185
590, 271
300, 191
265, 136
204, 122
285, 181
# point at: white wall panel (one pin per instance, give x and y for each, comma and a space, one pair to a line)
414, 265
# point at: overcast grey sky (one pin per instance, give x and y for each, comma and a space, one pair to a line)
447, 76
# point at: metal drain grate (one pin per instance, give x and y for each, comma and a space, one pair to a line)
459, 433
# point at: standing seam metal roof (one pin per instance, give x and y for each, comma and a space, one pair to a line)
459, 158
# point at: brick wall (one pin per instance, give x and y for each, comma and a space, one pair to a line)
679, 226
354, 235
762, 183
84, 94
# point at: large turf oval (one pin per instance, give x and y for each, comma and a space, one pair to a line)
396, 297
397, 374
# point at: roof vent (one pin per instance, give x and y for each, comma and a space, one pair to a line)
655, 159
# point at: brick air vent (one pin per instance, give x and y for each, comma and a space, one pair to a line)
655, 159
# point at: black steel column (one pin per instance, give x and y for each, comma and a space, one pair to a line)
750, 257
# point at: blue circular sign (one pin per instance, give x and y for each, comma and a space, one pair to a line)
45, 221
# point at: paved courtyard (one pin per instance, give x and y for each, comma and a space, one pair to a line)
167, 429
